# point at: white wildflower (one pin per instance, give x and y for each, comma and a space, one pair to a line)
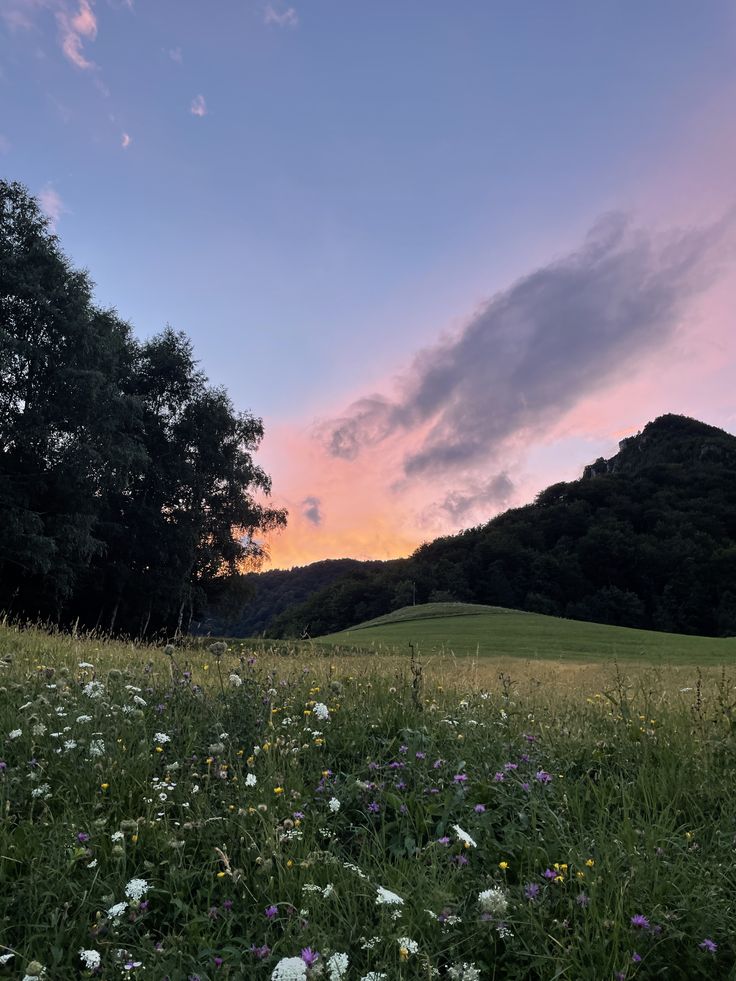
85, 664
368, 943
70, 744
321, 712
136, 889
97, 747
160, 738
464, 837
493, 901
15, 734
140, 701
375, 976
43, 790
235, 680
334, 805
407, 944
117, 836
116, 911
503, 931
4, 958
387, 898
337, 967
250, 780
84, 718
329, 890
290, 969
39, 729
94, 689
463, 972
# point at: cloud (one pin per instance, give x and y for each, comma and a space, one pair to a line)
281, 18
311, 509
198, 106
176, 55
4, 144
536, 348
74, 29
477, 497
51, 204
126, 140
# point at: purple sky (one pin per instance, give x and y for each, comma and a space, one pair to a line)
449, 251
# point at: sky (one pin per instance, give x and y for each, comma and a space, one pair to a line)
450, 252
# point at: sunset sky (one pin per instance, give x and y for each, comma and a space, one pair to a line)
449, 251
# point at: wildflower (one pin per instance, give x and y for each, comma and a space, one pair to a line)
271, 912
375, 976
15, 734
260, 952
493, 901
463, 972
278, 790
116, 911
136, 889
96, 747
309, 956
337, 967
640, 921
461, 778
290, 969
708, 945
503, 866
583, 900
464, 837
531, 890
91, 959
590, 862
374, 807
407, 946
117, 836
334, 805
635, 958
94, 689
479, 809
250, 780
499, 777
321, 712
387, 898
542, 776
235, 680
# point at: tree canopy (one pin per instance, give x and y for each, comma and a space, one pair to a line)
129, 497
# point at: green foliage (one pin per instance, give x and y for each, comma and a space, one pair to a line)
646, 539
126, 480
531, 830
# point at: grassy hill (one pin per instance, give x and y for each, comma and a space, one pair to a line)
466, 629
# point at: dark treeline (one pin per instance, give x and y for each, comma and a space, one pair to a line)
126, 479
646, 539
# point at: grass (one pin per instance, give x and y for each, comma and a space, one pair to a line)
466, 630
207, 813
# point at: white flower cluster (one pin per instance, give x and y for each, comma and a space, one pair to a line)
463, 972
334, 805
493, 901
91, 959
160, 738
250, 780
385, 897
290, 969
235, 680
94, 689
15, 734
464, 837
337, 967
407, 944
321, 712
136, 889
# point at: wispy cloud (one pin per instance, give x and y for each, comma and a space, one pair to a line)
198, 106
176, 55
533, 350
312, 510
126, 140
51, 204
287, 17
76, 28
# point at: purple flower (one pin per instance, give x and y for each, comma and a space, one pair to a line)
82, 836
309, 956
640, 921
437, 764
583, 900
444, 840
480, 809
3, 765
403, 809
511, 766
218, 961
635, 958
549, 874
709, 945
460, 778
227, 904
529, 738
260, 952
524, 757
525, 786
297, 815
542, 776
374, 807
403, 750
271, 912
460, 859
499, 777
531, 890
420, 756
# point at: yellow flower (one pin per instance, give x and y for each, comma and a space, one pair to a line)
251, 760
559, 879
404, 954
104, 786
325, 773
159, 749
134, 838
503, 866
590, 863
266, 747
278, 790
206, 667
220, 875
240, 752
289, 864
319, 742
580, 875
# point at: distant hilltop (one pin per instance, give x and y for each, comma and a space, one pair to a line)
644, 539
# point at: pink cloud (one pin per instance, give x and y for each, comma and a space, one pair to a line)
75, 28
126, 140
51, 204
198, 106
281, 18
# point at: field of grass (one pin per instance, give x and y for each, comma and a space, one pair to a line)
293, 812
464, 629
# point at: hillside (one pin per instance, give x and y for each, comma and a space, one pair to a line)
644, 539
467, 630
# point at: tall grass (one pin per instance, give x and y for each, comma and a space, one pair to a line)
206, 813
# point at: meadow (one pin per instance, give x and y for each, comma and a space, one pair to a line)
275, 811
